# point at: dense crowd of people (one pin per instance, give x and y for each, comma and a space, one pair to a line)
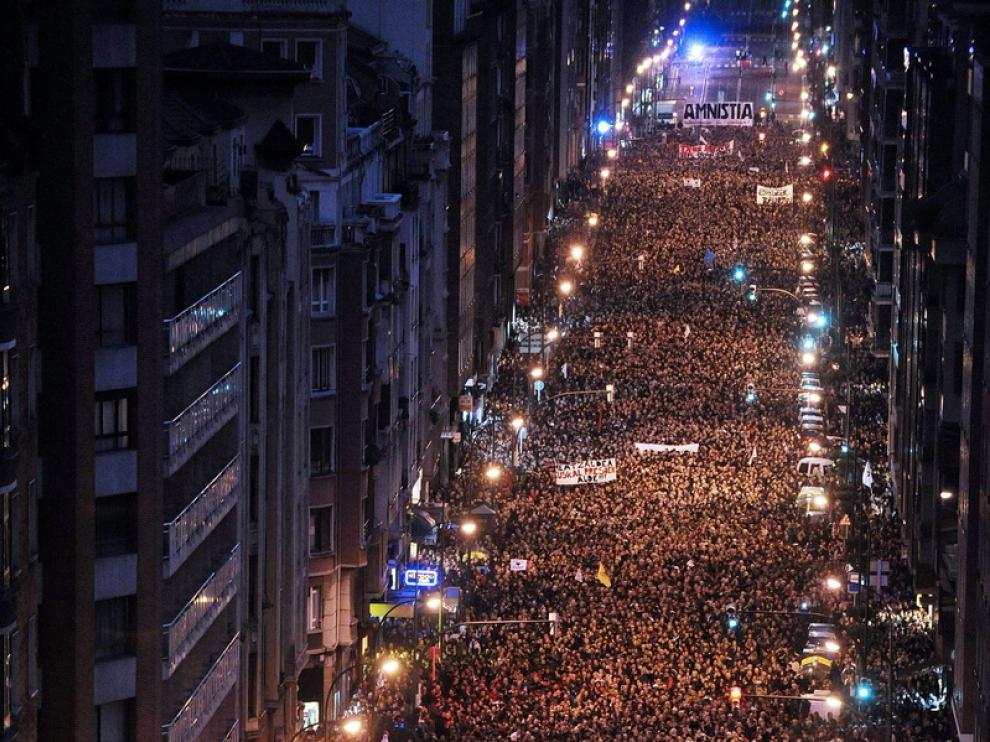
644, 571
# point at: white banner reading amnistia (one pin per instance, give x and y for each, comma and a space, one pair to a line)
668, 447
780, 195
727, 113
592, 471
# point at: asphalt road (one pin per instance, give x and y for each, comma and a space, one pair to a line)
718, 77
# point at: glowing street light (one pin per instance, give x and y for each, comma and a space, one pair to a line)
946, 494
552, 335
566, 287
592, 220
434, 602
833, 583
517, 423
536, 373
805, 239
577, 252
806, 197
353, 726
469, 528
833, 702
630, 88
390, 666
804, 161
605, 173
493, 472
808, 358
807, 266
831, 70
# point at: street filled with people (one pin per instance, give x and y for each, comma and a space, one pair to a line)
647, 520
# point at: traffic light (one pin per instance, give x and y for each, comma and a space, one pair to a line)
739, 273
826, 173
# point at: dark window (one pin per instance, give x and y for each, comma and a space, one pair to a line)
273, 47
115, 99
321, 451
8, 248
115, 627
116, 524
6, 399
323, 375
113, 209
308, 134
7, 544
117, 314
115, 722
112, 421
320, 530
310, 55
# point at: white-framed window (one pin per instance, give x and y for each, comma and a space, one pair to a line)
314, 609
324, 292
323, 373
309, 53
275, 47
308, 127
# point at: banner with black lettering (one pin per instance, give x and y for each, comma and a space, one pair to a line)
692, 182
592, 471
779, 195
728, 113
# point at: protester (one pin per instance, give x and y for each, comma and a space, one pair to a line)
641, 570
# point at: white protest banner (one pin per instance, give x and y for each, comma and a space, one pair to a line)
692, 182
518, 565
668, 447
592, 471
781, 195
729, 113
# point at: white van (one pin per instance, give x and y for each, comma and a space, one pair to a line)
815, 467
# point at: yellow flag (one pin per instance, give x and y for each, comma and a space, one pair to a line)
603, 576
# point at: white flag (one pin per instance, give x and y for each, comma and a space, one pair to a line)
702, 139
579, 576
868, 475
752, 456
687, 331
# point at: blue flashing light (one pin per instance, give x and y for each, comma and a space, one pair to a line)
696, 52
804, 606
864, 692
732, 623
603, 127
822, 320
739, 274
808, 343
769, 95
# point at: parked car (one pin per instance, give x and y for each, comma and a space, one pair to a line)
815, 467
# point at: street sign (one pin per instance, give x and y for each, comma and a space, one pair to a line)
420, 577
538, 385
853, 584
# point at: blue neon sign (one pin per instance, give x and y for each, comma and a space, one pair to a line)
419, 577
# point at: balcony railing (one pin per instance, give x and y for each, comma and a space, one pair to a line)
195, 714
234, 733
198, 519
322, 235
200, 612
195, 327
192, 427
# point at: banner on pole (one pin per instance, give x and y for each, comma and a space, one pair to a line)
692, 182
780, 195
727, 113
592, 471
518, 565
668, 447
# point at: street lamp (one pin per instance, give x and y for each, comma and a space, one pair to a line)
493, 472
806, 197
592, 220
805, 239
517, 423
353, 726
553, 334
605, 173
807, 266
536, 373
566, 287
577, 252
469, 528
833, 583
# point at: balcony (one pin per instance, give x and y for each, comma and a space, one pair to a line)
234, 733
200, 612
322, 236
196, 424
198, 519
195, 714
199, 324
